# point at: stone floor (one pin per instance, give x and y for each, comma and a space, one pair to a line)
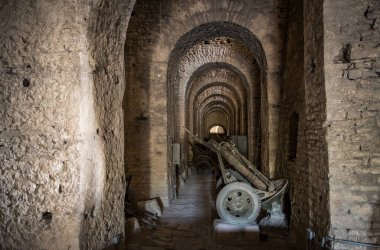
187, 224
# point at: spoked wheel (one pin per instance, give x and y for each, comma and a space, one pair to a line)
238, 203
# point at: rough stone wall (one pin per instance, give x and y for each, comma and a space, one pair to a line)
295, 169
61, 145
40, 67
352, 75
103, 207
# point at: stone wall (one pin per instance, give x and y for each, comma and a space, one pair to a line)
210, 18
352, 75
61, 144
336, 165
293, 126
145, 105
102, 209
222, 79
40, 95
315, 99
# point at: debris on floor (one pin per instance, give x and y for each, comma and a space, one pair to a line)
151, 206
276, 219
188, 224
132, 226
133, 210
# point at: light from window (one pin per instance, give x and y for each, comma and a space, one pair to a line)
217, 130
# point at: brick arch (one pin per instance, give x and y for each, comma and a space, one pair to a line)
211, 56
207, 104
213, 92
245, 39
220, 107
221, 88
220, 72
217, 74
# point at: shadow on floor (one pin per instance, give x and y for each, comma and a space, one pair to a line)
187, 224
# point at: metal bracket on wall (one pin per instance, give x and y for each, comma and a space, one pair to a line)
348, 242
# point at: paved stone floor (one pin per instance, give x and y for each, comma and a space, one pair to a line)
187, 223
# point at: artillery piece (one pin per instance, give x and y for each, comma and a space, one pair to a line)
246, 190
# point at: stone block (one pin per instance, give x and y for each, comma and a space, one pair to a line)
132, 226
151, 206
224, 231
374, 162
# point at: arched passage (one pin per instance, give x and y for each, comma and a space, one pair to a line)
251, 63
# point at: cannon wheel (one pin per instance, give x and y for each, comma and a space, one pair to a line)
203, 168
238, 203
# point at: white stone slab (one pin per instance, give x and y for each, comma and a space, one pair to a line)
241, 233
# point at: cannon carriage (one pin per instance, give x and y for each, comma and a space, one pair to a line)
245, 189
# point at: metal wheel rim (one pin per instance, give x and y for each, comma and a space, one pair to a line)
238, 203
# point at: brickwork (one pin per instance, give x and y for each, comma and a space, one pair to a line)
338, 132
222, 74
352, 70
145, 105
221, 78
204, 95
215, 50
296, 169
213, 118
204, 17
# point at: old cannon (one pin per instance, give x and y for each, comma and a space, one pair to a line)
246, 190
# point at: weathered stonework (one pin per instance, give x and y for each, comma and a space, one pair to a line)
62, 186
296, 168
41, 52
352, 79
145, 105
103, 207
338, 131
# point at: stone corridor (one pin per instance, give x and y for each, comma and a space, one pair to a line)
187, 223
95, 91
